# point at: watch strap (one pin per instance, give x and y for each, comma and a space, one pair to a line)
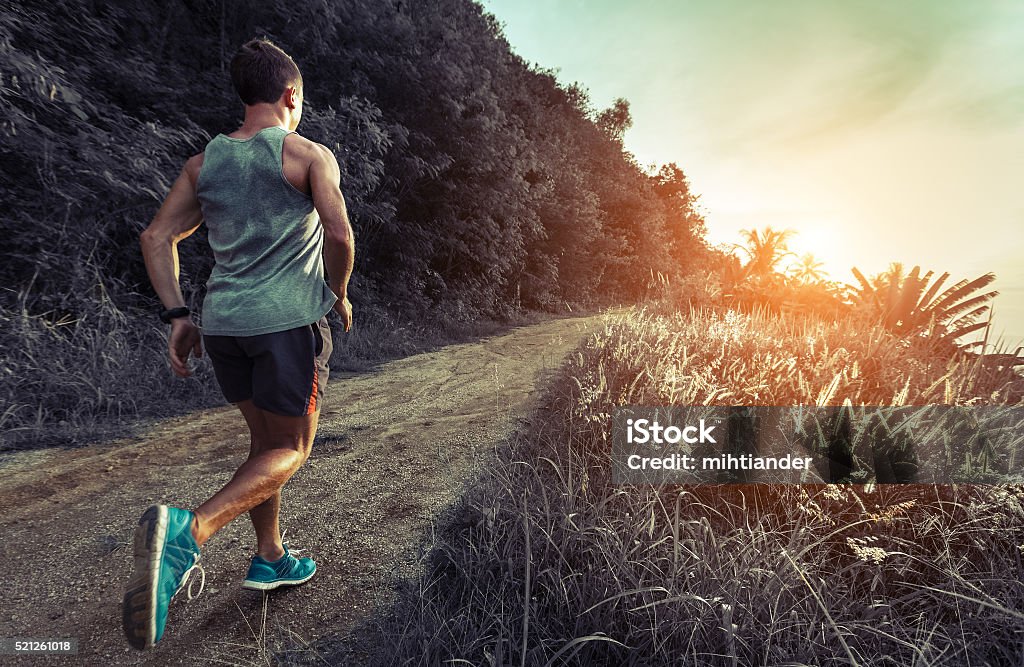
171, 313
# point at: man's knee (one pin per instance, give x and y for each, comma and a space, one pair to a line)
297, 461
301, 455
299, 449
260, 445
288, 461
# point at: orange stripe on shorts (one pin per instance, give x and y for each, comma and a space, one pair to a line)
311, 408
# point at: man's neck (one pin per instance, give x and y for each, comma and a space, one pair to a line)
257, 119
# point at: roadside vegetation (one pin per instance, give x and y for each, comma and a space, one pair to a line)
545, 562
71, 381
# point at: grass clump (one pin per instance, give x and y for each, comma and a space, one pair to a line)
71, 379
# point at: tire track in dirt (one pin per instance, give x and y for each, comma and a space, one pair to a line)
395, 446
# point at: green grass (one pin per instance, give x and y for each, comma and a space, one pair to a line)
545, 562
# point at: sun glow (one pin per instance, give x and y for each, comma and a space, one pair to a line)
821, 237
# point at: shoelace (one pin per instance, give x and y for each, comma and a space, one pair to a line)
290, 550
186, 577
187, 574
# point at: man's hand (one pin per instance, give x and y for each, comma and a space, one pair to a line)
344, 308
185, 338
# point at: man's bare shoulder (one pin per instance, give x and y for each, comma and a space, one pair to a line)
308, 149
192, 167
327, 158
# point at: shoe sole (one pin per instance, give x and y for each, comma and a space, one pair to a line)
271, 585
139, 606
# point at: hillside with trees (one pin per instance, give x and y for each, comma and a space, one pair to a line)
478, 184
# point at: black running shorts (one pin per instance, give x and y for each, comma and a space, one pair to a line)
283, 372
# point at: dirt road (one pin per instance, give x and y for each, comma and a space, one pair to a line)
395, 447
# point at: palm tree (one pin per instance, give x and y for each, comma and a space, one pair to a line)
765, 249
733, 271
895, 272
808, 270
908, 305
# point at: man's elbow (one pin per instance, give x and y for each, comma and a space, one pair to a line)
152, 238
339, 235
146, 238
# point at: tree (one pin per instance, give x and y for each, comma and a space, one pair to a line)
685, 224
808, 270
765, 249
616, 119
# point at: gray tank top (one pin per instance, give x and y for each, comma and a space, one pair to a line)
266, 238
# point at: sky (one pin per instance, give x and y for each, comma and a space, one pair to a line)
878, 130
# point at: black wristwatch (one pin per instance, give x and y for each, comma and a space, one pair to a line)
167, 315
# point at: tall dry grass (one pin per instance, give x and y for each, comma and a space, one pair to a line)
67, 380
546, 563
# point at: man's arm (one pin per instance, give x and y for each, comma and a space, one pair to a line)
339, 241
178, 217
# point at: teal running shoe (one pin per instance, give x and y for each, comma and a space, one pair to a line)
165, 555
287, 570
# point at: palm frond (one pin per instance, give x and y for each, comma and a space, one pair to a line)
962, 289
967, 317
954, 311
927, 299
962, 331
865, 285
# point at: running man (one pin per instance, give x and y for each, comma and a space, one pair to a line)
276, 218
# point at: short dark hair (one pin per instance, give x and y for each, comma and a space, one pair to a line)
260, 72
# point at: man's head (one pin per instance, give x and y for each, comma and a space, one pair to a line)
264, 74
